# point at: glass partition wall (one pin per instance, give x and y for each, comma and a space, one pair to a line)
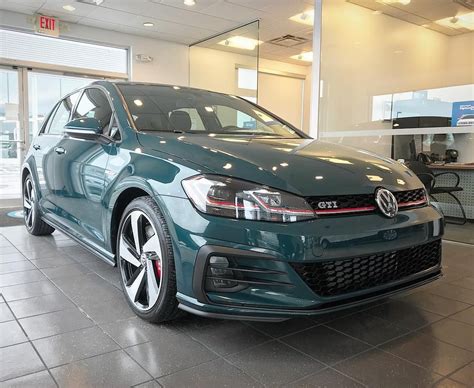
397, 78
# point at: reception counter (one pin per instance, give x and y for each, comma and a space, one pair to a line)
466, 175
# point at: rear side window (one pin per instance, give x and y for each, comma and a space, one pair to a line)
94, 103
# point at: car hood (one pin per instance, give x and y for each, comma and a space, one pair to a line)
301, 166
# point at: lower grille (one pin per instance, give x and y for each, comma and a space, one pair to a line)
336, 277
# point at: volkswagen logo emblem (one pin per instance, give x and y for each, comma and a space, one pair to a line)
386, 202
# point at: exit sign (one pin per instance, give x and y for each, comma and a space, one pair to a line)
47, 25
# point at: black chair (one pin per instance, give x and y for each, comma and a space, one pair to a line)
428, 178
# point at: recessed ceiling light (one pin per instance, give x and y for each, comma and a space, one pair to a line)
69, 8
402, 2
148, 24
241, 42
189, 3
306, 57
377, 12
138, 102
306, 17
465, 21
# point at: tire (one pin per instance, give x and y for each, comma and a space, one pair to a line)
31, 213
146, 263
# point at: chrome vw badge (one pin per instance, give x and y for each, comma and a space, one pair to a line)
386, 202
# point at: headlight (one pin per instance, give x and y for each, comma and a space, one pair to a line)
234, 198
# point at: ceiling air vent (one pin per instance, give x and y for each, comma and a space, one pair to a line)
288, 41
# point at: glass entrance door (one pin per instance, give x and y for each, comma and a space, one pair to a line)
26, 98
10, 134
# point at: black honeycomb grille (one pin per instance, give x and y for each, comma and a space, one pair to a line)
364, 202
332, 278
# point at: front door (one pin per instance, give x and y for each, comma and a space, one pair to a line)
80, 170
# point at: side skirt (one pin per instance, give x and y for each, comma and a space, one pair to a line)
94, 249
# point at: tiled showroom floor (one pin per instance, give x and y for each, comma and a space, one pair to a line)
65, 322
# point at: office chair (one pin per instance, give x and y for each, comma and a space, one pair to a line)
428, 178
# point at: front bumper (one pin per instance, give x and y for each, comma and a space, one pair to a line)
272, 287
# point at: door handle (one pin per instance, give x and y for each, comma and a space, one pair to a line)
60, 150
36, 147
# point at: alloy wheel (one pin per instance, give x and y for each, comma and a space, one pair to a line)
29, 203
140, 260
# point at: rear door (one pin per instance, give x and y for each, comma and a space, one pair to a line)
80, 169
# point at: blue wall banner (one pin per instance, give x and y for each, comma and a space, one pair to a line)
463, 114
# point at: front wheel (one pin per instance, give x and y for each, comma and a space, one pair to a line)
31, 213
146, 263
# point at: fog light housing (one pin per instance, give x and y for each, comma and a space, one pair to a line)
219, 272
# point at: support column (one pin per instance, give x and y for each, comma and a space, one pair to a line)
316, 74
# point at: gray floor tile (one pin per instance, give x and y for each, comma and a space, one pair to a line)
467, 282
11, 334
58, 322
448, 383
114, 369
170, 354
148, 384
29, 290
73, 346
280, 329
326, 378
368, 328
35, 380
205, 375
40, 305
325, 344
274, 363
465, 375
65, 271
11, 279
452, 291
52, 262
12, 258
404, 314
378, 369
19, 360
430, 353
435, 303
451, 331
44, 253
16, 266
466, 316
110, 310
135, 331
228, 337
5, 313
8, 250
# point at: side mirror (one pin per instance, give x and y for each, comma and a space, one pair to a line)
86, 128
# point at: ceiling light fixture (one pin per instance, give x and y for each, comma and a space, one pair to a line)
69, 8
148, 24
306, 57
241, 42
306, 17
465, 21
189, 3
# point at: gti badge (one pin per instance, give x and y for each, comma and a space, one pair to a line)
386, 202
327, 205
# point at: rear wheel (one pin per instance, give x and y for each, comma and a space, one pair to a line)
31, 214
146, 263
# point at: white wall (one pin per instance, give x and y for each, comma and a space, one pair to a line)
215, 70
170, 63
364, 55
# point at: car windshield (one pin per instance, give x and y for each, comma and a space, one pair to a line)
175, 109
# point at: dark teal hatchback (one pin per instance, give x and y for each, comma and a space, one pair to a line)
210, 204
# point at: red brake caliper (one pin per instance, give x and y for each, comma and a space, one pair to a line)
158, 268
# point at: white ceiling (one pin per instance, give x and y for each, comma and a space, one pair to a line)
176, 22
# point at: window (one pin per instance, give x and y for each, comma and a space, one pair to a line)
95, 104
196, 121
60, 117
